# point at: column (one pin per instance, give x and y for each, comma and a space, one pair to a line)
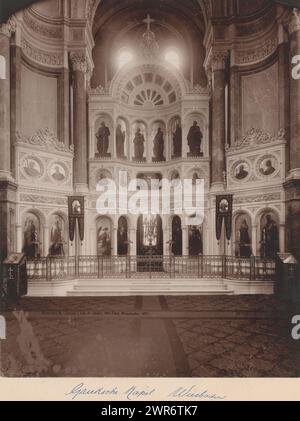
185, 241
6, 31
284, 81
19, 238
167, 238
292, 185
46, 244
184, 140
79, 66
294, 31
254, 240
8, 188
218, 62
15, 97
115, 242
133, 247
282, 238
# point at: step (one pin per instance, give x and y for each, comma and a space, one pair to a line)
115, 287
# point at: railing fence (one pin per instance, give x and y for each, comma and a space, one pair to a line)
99, 267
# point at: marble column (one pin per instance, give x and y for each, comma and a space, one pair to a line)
115, 242
8, 188
185, 241
218, 62
282, 238
46, 245
6, 31
80, 68
133, 245
167, 238
294, 31
19, 238
292, 184
254, 240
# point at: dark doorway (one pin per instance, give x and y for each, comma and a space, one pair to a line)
150, 244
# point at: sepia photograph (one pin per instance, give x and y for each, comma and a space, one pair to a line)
150, 197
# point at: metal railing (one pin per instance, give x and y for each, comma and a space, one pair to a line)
199, 267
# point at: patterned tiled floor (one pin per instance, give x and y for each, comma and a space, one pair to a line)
151, 337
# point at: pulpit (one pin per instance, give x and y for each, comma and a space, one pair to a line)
13, 283
287, 283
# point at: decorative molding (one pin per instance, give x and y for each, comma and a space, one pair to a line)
48, 31
258, 53
99, 90
91, 10
218, 60
257, 137
8, 28
200, 90
44, 138
294, 21
264, 198
31, 198
40, 56
79, 61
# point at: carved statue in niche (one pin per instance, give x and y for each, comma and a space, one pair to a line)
177, 141
120, 141
57, 240
139, 146
244, 240
195, 241
123, 237
159, 146
104, 239
269, 239
102, 136
31, 238
194, 138
176, 236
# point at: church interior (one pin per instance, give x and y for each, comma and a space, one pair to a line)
97, 93
153, 89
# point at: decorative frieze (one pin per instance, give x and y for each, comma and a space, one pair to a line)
260, 198
258, 53
41, 28
99, 90
44, 138
294, 21
200, 90
40, 56
32, 198
256, 137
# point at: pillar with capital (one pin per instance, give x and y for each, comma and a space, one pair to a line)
80, 68
292, 184
6, 31
7, 186
218, 67
185, 241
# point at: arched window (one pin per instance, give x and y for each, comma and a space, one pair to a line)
2, 68
124, 57
172, 56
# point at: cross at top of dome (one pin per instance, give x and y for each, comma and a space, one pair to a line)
148, 21
150, 47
